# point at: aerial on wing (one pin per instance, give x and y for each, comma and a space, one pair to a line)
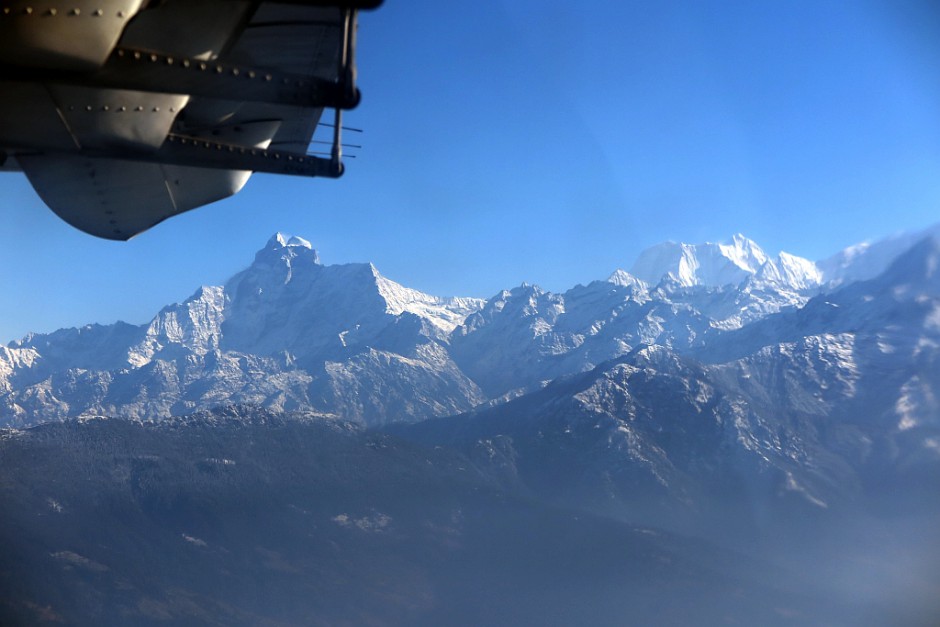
123, 113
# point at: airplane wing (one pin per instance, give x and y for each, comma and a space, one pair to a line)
123, 113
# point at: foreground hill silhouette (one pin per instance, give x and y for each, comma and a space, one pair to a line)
244, 517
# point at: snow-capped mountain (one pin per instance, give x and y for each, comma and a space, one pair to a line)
526, 336
897, 311
287, 301
718, 264
291, 333
287, 332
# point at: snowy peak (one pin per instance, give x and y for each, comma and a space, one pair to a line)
709, 264
444, 313
797, 267
790, 271
287, 300
743, 253
194, 325
282, 240
625, 279
286, 248
720, 264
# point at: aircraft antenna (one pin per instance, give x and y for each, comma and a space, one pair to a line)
345, 128
320, 141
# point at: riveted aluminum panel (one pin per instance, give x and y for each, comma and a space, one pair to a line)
197, 29
29, 119
60, 34
115, 119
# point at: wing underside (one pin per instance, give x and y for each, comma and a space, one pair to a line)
175, 107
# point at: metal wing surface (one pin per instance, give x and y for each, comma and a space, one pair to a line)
123, 113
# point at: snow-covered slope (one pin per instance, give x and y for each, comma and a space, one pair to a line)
790, 272
526, 336
285, 333
287, 301
291, 333
707, 264
729, 263
719, 264
869, 259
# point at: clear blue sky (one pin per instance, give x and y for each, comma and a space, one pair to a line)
550, 142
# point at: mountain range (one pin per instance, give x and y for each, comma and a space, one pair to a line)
774, 407
289, 333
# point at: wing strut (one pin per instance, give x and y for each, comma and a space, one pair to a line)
336, 155
346, 75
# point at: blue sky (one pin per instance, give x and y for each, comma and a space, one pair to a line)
551, 142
